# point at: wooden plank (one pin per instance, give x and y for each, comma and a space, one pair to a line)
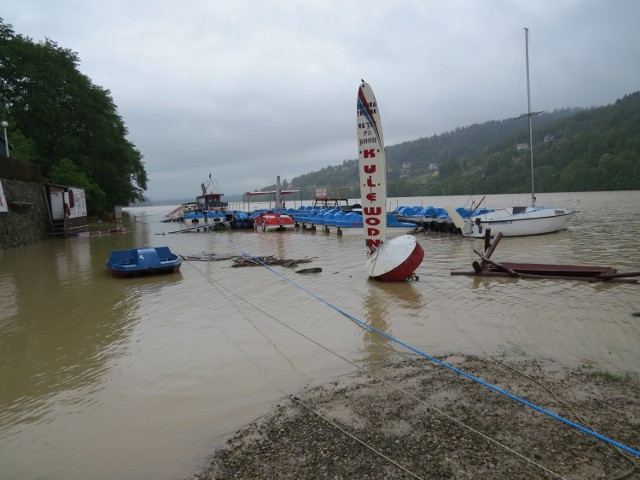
552, 269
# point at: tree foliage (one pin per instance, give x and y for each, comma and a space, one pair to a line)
65, 172
63, 117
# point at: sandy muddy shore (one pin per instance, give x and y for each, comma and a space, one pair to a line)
412, 418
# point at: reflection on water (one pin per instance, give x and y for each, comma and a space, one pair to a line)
384, 305
143, 377
8, 300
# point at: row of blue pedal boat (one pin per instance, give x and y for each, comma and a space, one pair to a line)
420, 213
340, 217
404, 216
235, 219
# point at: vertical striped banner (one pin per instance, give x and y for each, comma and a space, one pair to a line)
372, 168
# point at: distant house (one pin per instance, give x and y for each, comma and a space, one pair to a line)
522, 147
434, 166
549, 137
405, 170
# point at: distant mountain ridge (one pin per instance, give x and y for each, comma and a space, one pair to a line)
575, 149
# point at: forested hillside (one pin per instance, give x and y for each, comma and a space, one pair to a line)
574, 150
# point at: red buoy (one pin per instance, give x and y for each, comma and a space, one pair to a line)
396, 260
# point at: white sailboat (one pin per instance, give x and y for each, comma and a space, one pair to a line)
397, 259
517, 221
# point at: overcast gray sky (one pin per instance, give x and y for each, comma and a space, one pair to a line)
252, 89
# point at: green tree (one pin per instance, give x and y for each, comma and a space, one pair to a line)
65, 116
65, 172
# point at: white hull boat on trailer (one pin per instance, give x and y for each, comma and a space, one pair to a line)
517, 221
398, 259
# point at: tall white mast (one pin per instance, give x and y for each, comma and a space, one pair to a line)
529, 114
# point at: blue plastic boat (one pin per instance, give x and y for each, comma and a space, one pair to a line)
143, 261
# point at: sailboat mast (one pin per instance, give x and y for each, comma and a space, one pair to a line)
529, 114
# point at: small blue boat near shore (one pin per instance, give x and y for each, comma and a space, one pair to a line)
143, 261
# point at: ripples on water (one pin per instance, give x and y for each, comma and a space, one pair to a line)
141, 378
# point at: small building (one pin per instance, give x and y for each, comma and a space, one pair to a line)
324, 197
210, 202
276, 199
67, 209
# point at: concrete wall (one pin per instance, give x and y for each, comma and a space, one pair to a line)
28, 218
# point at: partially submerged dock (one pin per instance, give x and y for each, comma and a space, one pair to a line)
487, 267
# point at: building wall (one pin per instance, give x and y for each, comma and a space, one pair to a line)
27, 220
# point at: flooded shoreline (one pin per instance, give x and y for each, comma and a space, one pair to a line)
146, 377
411, 418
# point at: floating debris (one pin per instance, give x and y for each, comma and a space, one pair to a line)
246, 261
249, 261
207, 257
310, 270
201, 228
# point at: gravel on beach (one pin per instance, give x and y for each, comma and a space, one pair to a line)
413, 418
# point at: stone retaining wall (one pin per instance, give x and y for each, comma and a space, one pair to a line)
28, 218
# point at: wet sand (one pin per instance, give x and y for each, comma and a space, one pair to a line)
413, 418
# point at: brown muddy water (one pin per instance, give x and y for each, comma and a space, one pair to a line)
110, 378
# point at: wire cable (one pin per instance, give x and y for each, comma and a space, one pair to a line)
366, 371
458, 371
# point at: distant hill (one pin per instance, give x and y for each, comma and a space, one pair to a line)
574, 150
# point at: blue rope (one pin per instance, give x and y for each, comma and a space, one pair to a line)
454, 369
